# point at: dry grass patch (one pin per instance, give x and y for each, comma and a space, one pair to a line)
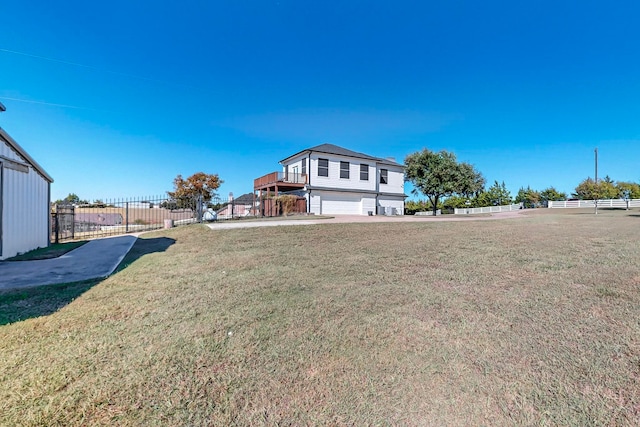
524, 321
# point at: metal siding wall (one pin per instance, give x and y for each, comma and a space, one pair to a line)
25, 212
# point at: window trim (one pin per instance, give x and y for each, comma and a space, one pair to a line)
344, 173
364, 168
323, 168
304, 166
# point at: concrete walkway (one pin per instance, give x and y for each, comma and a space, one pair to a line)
95, 259
350, 219
229, 225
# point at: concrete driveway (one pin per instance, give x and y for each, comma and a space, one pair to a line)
346, 219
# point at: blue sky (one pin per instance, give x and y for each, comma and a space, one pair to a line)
114, 99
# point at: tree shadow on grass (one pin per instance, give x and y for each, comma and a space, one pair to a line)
26, 303
144, 246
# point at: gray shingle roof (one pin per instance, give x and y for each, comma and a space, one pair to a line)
334, 149
245, 198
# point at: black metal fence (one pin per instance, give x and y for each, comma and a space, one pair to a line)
113, 217
102, 218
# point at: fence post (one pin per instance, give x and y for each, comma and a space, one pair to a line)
199, 208
73, 222
126, 216
56, 226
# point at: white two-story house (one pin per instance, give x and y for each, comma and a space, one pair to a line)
335, 180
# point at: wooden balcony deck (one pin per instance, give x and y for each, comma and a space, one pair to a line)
280, 181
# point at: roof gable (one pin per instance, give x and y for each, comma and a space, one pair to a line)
4, 136
340, 151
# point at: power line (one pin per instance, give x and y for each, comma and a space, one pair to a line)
54, 104
77, 64
15, 52
200, 91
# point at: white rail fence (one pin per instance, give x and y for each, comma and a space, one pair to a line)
607, 203
488, 209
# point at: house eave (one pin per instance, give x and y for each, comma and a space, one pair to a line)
349, 153
353, 190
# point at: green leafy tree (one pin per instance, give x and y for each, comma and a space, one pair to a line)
587, 190
439, 175
528, 197
608, 188
473, 180
71, 199
413, 206
199, 184
456, 201
497, 195
590, 190
551, 194
630, 188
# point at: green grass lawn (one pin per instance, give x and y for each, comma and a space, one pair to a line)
52, 251
527, 321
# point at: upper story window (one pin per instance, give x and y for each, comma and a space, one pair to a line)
344, 170
364, 172
384, 176
323, 167
304, 166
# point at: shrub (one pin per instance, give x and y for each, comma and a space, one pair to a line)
287, 203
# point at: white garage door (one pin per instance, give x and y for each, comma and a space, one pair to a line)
341, 204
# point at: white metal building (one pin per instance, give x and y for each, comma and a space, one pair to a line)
25, 192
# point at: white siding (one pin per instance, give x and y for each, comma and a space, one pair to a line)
394, 202
314, 206
25, 207
334, 180
395, 182
368, 204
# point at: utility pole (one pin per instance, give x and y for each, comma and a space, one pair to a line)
597, 192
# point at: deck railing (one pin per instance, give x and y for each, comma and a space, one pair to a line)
277, 177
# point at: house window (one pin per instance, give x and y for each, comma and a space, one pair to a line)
344, 170
304, 166
323, 167
384, 176
364, 172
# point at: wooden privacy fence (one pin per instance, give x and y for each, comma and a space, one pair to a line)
275, 207
607, 203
